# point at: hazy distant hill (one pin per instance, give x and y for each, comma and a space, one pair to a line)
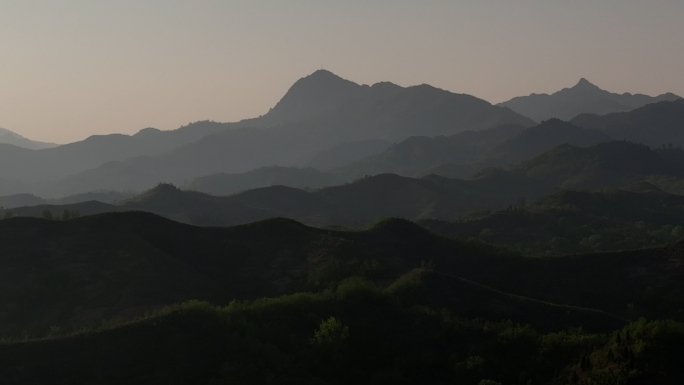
464, 153
22, 200
344, 153
416, 154
382, 112
226, 184
611, 164
655, 124
584, 97
55, 163
9, 137
538, 139
19, 200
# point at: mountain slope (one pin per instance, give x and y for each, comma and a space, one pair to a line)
584, 97
538, 139
655, 124
72, 273
415, 154
9, 137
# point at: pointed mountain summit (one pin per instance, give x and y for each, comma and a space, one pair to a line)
584, 97
585, 85
318, 94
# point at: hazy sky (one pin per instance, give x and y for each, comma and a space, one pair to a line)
70, 69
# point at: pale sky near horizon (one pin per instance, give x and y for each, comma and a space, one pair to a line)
70, 69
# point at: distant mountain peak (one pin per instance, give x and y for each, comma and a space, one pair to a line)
320, 78
585, 85
322, 72
320, 93
583, 97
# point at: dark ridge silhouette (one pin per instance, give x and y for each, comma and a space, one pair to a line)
227, 184
18, 200
655, 124
538, 139
584, 97
635, 216
417, 154
120, 262
611, 164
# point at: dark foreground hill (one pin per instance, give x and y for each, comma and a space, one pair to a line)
357, 334
70, 273
355, 305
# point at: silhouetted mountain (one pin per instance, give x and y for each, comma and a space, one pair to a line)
635, 216
356, 204
611, 164
18, 200
27, 200
416, 154
538, 139
344, 153
655, 124
9, 137
55, 163
320, 94
379, 112
226, 184
584, 97
462, 154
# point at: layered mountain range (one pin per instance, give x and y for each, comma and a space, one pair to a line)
584, 97
336, 129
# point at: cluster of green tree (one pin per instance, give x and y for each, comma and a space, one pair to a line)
354, 333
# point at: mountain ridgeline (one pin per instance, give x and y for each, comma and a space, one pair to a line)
583, 98
319, 112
